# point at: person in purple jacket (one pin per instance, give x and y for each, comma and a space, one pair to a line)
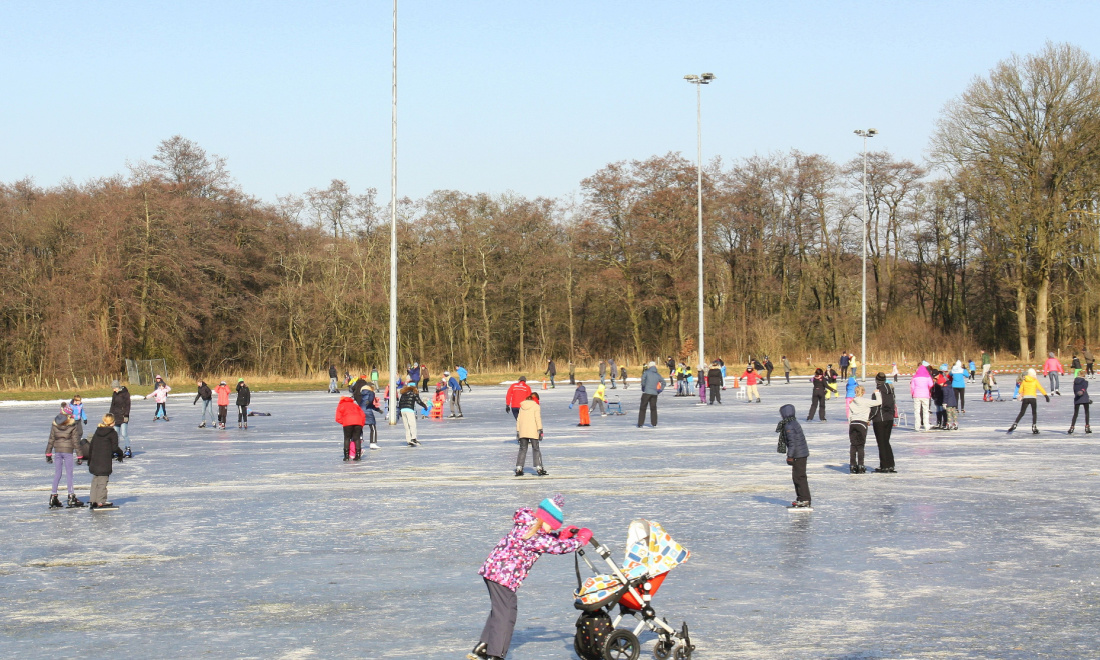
509, 563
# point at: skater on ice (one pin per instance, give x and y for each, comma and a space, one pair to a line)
205, 395
860, 411
791, 434
410, 398
1081, 402
60, 447
532, 535
244, 397
580, 399
529, 430
882, 421
160, 395
350, 416
515, 396
1028, 388
120, 409
102, 453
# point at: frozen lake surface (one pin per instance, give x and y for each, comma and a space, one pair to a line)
264, 544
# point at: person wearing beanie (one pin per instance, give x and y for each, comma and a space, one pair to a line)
352, 418
368, 403
63, 441
958, 384
1027, 390
406, 406
859, 418
120, 409
160, 395
1081, 401
244, 397
533, 533
1052, 369
882, 421
790, 432
920, 388
222, 391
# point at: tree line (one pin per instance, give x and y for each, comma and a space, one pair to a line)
993, 243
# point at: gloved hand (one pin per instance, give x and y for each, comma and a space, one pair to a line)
507, 408
119, 459
49, 458
540, 435
584, 535
568, 532
1047, 397
790, 461
570, 406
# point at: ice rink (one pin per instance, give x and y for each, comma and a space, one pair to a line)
264, 544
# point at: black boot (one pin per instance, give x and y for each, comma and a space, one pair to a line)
1070, 431
853, 469
74, 502
126, 452
1012, 428
1087, 429
54, 502
1035, 429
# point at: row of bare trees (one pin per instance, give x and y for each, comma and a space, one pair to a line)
998, 249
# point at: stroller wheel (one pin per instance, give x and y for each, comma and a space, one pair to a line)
622, 645
662, 650
683, 653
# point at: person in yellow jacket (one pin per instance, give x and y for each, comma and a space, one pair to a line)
1029, 386
599, 400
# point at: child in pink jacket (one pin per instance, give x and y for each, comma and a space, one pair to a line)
509, 563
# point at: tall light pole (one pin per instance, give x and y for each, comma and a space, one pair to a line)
393, 232
869, 133
699, 81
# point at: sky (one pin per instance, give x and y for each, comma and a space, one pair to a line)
528, 97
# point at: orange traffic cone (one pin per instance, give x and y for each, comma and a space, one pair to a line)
544, 384
736, 383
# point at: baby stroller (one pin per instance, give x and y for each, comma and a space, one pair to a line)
650, 555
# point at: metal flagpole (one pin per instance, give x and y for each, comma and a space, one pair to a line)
393, 233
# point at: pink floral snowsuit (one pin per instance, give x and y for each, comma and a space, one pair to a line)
505, 570
509, 562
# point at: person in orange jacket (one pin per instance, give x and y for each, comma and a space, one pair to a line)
517, 394
223, 403
751, 379
350, 415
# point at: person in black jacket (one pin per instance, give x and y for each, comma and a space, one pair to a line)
204, 393
769, 368
103, 450
882, 421
797, 454
120, 410
552, 371
714, 382
357, 389
333, 385
1081, 400
820, 385
244, 397
406, 406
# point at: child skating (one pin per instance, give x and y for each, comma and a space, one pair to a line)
509, 563
860, 411
1027, 389
102, 453
1081, 401
580, 399
790, 431
60, 447
350, 416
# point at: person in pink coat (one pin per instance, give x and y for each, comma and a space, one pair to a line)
1052, 369
533, 533
921, 389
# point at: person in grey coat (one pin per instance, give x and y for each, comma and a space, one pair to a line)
787, 369
603, 372
652, 384
63, 442
797, 453
614, 372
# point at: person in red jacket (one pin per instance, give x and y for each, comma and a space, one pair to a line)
223, 403
517, 394
351, 416
751, 379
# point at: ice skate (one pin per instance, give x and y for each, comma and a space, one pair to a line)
862, 470
346, 458
541, 472
1087, 429
374, 445
1035, 429
1070, 431
127, 453
246, 425
166, 418
479, 652
54, 502
203, 425
519, 472
882, 470
74, 502
1012, 428
853, 469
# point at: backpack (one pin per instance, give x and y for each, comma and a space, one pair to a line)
592, 631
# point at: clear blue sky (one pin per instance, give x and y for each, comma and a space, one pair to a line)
494, 96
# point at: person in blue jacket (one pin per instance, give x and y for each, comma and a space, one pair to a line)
456, 391
462, 374
368, 401
797, 454
958, 383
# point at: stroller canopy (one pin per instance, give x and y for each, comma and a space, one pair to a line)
649, 545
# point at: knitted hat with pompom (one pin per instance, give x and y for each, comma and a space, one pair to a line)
550, 511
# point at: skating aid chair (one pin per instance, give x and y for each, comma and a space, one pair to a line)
615, 407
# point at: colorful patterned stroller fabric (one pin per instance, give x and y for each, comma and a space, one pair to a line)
650, 554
